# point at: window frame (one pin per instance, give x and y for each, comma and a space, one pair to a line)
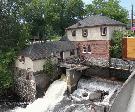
85, 31
89, 49
84, 50
22, 59
103, 30
73, 33
72, 52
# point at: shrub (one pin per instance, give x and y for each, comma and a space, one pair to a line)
128, 33
116, 47
6, 74
48, 67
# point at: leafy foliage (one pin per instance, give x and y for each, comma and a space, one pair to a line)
116, 48
13, 37
5, 72
110, 8
48, 18
48, 67
129, 33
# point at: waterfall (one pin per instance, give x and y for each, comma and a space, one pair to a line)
53, 96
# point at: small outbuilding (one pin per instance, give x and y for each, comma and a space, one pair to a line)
34, 56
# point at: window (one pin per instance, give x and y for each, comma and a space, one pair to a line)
103, 31
89, 49
27, 77
74, 33
84, 49
22, 59
84, 32
72, 52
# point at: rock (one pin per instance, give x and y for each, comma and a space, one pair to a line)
95, 96
84, 94
98, 95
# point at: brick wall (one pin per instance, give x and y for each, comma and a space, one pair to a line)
99, 49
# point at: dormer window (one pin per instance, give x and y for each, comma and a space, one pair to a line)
74, 33
84, 32
103, 31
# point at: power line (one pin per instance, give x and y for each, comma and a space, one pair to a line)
132, 14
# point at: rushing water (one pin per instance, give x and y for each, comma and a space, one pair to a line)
53, 95
76, 102
55, 99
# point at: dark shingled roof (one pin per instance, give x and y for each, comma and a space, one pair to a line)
64, 38
43, 50
96, 20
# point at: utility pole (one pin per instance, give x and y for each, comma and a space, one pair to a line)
132, 13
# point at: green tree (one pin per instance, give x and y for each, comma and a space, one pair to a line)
49, 18
74, 11
48, 67
13, 37
116, 48
110, 8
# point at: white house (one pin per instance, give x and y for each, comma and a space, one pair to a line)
94, 34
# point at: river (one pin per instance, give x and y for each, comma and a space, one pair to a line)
56, 98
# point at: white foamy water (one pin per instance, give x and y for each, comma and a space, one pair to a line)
91, 85
53, 96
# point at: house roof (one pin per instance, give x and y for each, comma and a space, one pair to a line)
43, 50
96, 20
64, 38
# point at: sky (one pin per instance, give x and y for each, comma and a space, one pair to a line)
124, 3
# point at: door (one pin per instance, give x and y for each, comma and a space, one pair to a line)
61, 55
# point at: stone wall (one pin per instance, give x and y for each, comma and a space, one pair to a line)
96, 62
72, 78
97, 71
25, 85
122, 64
29, 85
43, 81
112, 63
117, 68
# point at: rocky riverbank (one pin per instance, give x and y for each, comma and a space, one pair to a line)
9, 101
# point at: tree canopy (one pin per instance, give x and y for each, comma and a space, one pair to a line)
110, 8
13, 37
50, 17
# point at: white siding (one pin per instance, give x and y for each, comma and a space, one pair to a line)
28, 63
38, 65
115, 28
67, 54
94, 33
